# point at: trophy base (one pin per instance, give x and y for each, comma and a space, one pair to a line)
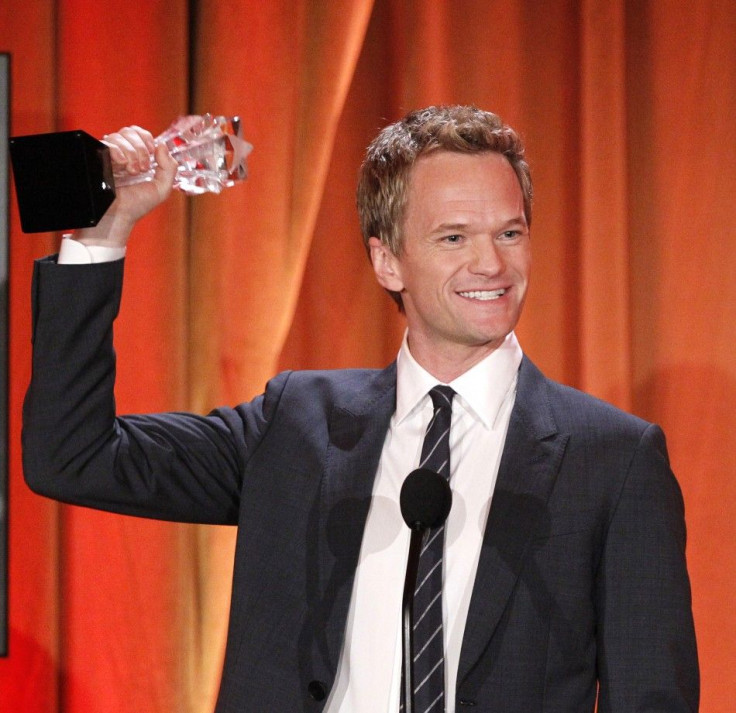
62, 180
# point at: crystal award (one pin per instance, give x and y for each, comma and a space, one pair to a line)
66, 180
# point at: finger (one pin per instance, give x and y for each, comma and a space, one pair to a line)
141, 142
166, 167
120, 149
145, 136
129, 148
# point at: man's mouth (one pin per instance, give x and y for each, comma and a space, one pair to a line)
483, 295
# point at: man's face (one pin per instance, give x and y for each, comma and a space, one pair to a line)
465, 261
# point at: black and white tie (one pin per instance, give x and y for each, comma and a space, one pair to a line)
428, 640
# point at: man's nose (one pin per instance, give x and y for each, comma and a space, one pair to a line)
487, 258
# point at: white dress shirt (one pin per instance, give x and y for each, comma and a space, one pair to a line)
369, 673
72, 252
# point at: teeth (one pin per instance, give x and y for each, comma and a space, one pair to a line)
483, 294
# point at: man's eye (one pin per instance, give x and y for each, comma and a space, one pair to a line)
511, 234
453, 238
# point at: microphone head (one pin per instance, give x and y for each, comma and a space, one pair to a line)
425, 499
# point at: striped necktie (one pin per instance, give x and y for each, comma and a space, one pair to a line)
428, 640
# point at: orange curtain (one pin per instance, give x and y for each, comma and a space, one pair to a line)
627, 110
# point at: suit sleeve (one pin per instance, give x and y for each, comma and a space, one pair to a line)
76, 449
647, 657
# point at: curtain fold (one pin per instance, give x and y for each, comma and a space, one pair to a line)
248, 251
626, 109
682, 158
604, 303
285, 67
120, 606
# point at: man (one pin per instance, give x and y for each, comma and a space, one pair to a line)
563, 567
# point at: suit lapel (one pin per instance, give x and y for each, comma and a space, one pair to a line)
529, 464
357, 430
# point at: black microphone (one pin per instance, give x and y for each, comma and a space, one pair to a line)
425, 499
425, 502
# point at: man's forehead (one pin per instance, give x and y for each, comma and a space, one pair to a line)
442, 168
458, 180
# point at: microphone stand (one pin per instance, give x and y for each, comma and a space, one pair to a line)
425, 501
407, 608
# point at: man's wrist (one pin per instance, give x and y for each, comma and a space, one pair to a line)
113, 230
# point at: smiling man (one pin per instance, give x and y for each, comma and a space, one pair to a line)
558, 582
463, 265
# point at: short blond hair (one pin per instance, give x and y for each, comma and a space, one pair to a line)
384, 175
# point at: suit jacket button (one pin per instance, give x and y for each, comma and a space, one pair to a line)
317, 690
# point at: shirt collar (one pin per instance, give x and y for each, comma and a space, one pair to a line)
482, 389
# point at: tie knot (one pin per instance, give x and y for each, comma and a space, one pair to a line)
441, 396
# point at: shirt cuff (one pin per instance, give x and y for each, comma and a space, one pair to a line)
72, 252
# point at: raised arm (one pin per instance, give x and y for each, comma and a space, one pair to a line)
75, 448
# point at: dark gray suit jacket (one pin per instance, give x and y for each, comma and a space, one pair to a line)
582, 588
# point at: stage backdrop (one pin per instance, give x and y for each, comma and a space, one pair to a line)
627, 110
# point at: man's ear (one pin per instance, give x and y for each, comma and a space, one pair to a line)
385, 265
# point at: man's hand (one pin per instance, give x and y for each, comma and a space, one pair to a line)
131, 150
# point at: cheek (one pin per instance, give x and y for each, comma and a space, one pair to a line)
429, 277
524, 262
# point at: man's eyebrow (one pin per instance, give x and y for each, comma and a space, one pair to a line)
445, 227
519, 220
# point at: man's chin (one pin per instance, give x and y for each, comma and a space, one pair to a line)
485, 335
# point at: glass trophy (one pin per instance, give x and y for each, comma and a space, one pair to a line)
66, 180
210, 151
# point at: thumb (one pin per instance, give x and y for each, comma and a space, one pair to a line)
165, 169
